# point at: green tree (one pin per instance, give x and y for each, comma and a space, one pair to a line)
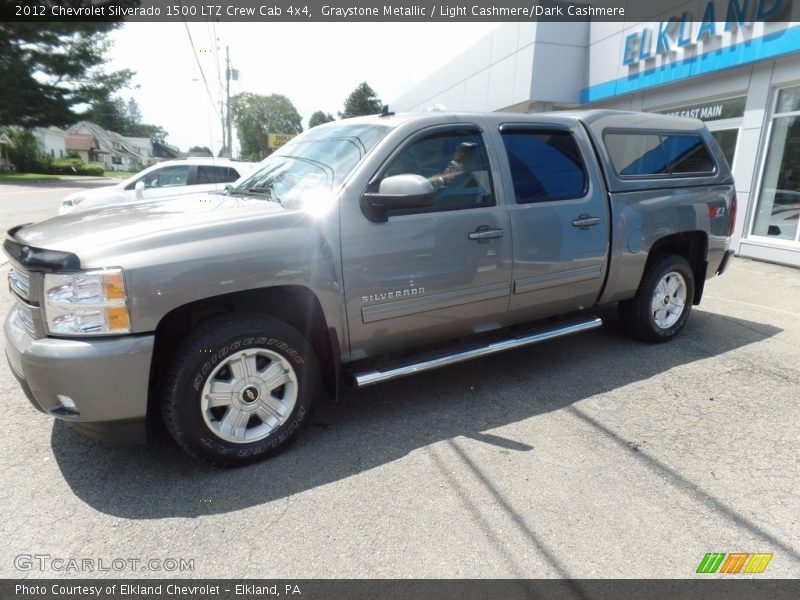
124, 117
200, 151
255, 116
25, 153
318, 118
362, 101
110, 113
143, 130
48, 69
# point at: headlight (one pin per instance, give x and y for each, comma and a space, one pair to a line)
90, 303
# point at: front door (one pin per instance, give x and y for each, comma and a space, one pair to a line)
434, 273
160, 183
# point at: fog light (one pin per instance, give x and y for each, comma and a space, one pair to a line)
67, 403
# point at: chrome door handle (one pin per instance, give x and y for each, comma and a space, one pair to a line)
585, 221
486, 234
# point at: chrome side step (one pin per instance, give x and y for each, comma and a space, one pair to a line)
372, 377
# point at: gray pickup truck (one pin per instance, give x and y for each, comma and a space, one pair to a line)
363, 250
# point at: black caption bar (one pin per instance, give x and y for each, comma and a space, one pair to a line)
744, 11
406, 589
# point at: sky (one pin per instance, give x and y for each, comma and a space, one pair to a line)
316, 65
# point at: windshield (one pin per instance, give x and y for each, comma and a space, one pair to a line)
319, 158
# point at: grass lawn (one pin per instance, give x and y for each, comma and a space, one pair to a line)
27, 177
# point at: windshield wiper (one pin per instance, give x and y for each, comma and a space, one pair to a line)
269, 192
253, 191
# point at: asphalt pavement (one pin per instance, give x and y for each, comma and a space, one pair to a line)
587, 456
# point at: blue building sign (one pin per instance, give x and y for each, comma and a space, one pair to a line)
685, 31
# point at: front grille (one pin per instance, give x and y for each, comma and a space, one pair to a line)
20, 282
25, 288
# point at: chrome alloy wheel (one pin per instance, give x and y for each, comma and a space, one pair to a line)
669, 300
249, 395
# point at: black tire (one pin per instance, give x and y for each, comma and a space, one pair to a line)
211, 347
636, 315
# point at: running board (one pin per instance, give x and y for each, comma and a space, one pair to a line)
372, 377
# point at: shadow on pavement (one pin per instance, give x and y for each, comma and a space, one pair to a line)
382, 424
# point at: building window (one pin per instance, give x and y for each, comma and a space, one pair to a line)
727, 138
778, 208
723, 118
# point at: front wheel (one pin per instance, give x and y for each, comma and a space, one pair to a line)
239, 389
663, 302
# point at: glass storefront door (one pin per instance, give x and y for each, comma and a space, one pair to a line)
778, 210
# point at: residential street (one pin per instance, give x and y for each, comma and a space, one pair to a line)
33, 202
587, 456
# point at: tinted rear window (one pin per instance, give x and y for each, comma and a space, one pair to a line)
209, 174
636, 154
545, 165
687, 154
651, 154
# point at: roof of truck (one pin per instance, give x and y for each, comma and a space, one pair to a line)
596, 119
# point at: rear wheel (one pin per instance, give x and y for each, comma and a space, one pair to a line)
240, 389
663, 302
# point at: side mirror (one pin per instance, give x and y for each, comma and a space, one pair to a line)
398, 192
139, 188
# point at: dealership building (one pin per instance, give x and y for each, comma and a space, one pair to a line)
713, 60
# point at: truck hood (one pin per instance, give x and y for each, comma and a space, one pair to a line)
129, 225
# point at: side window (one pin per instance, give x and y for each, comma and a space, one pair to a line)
636, 153
210, 174
545, 165
658, 154
455, 164
687, 154
167, 177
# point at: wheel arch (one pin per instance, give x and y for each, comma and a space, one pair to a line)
691, 245
295, 305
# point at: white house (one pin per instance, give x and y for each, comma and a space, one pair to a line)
52, 141
113, 151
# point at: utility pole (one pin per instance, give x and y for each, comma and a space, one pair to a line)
229, 139
222, 122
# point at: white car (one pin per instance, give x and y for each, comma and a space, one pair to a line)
169, 178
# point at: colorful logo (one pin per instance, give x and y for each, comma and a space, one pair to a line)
735, 562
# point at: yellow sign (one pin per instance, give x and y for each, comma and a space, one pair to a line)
276, 140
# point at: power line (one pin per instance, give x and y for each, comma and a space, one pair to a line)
199, 66
211, 29
215, 46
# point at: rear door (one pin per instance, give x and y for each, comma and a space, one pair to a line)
559, 218
433, 273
